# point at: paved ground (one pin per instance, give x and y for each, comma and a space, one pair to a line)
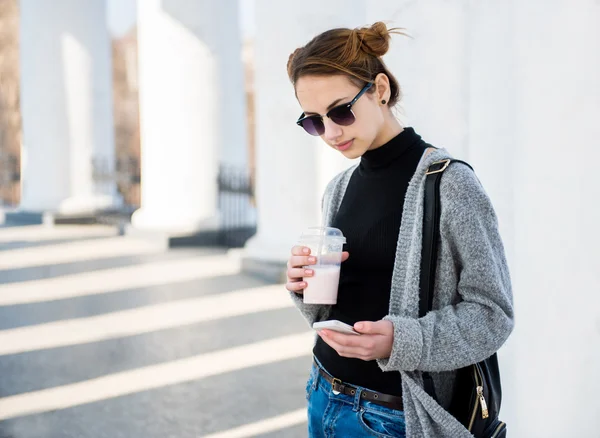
107, 336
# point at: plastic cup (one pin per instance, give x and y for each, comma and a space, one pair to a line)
326, 245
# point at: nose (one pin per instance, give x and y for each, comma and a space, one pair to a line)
332, 131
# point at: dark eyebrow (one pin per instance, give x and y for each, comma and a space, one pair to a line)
331, 105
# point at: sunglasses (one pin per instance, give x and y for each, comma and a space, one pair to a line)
340, 115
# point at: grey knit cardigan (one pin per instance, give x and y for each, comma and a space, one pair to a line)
472, 312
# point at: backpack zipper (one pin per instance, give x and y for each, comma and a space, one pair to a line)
484, 410
480, 399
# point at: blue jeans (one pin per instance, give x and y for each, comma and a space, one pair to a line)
340, 415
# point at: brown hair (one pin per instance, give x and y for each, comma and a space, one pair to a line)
355, 53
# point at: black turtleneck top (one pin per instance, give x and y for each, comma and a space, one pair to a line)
369, 217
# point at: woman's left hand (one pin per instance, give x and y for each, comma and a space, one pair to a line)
375, 341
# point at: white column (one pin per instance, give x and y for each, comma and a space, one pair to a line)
66, 102
431, 67
557, 215
291, 169
186, 52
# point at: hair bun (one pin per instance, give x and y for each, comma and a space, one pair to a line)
375, 40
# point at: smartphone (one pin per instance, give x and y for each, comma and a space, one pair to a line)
335, 325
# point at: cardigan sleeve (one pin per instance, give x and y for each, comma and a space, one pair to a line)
481, 320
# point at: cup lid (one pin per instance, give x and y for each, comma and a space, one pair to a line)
326, 232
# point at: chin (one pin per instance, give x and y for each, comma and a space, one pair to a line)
351, 154
355, 151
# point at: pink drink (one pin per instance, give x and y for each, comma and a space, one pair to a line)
322, 287
326, 245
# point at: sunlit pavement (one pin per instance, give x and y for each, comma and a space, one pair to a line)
109, 336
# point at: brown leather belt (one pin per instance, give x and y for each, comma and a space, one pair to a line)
387, 400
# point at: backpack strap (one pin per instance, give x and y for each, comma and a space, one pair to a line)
431, 237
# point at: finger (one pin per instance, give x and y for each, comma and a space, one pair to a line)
382, 327
299, 250
330, 342
295, 286
364, 327
298, 273
299, 261
345, 256
346, 341
343, 350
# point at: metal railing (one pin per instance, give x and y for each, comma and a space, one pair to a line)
236, 207
125, 173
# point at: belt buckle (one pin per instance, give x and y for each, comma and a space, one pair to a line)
333, 382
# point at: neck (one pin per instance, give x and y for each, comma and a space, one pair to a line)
390, 129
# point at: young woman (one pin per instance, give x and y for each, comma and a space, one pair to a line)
371, 385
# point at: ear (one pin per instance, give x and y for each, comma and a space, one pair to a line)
382, 84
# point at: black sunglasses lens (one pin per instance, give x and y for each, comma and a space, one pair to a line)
342, 115
313, 125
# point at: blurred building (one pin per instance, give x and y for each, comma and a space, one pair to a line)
10, 115
126, 118
248, 61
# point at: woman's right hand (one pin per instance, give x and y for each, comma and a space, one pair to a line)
296, 272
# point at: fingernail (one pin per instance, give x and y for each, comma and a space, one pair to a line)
302, 284
312, 259
358, 326
305, 250
308, 272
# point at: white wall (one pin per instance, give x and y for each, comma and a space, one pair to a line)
556, 212
431, 66
514, 88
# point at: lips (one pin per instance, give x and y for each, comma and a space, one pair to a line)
344, 146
